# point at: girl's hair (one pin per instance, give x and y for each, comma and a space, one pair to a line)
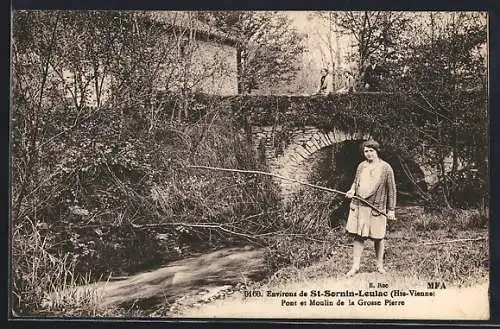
371, 144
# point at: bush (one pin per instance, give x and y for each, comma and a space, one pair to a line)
450, 219
307, 229
37, 273
115, 196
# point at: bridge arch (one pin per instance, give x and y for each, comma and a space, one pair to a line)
287, 151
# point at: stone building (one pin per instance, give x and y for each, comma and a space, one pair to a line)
206, 57
199, 58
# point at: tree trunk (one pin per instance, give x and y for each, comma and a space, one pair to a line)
239, 70
445, 189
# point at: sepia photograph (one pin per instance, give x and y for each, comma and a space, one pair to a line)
238, 164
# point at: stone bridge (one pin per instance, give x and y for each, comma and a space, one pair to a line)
293, 159
286, 131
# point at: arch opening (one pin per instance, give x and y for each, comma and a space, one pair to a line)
335, 166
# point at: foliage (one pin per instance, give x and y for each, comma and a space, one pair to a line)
308, 218
376, 33
420, 135
120, 59
37, 271
437, 59
103, 186
108, 183
269, 46
380, 115
373, 113
449, 62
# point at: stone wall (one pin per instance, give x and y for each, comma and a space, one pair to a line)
200, 66
216, 64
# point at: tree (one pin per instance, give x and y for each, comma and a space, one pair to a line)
329, 42
269, 46
449, 54
438, 59
74, 63
374, 33
445, 68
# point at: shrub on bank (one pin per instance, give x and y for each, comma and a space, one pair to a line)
113, 195
307, 230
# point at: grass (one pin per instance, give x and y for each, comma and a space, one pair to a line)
424, 246
450, 246
44, 284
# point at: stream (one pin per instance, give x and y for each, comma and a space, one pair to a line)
201, 277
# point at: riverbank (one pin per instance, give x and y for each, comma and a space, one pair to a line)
450, 253
429, 276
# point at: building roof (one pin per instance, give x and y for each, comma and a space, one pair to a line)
187, 20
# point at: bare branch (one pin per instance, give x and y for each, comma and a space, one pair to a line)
292, 180
453, 241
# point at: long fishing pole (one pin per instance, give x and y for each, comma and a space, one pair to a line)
291, 180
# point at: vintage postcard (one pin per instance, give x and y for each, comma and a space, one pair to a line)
250, 165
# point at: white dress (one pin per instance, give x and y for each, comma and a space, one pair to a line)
361, 221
